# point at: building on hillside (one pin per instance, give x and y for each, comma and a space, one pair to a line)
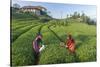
80, 19
38, 10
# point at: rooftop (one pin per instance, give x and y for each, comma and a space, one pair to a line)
33, 7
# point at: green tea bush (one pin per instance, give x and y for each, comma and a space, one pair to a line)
53, 54
22, 52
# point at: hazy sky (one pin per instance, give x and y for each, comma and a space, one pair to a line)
59, 10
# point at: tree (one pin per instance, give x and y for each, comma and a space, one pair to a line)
67, 15
83, 17
75, 15
70, 15
16, 5
78, 15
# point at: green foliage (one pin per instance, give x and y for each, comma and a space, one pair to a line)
23, 16
81, 18
87, 51
25, 31
22, 51
16, 5
20, 31
20, 28
53, 54
85, 38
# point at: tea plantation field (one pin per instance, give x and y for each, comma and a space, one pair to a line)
24, 32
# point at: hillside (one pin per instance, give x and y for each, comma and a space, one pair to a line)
24, 32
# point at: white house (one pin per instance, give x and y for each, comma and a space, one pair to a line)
38, 10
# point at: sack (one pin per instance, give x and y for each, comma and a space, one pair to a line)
62, 44
42, 48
